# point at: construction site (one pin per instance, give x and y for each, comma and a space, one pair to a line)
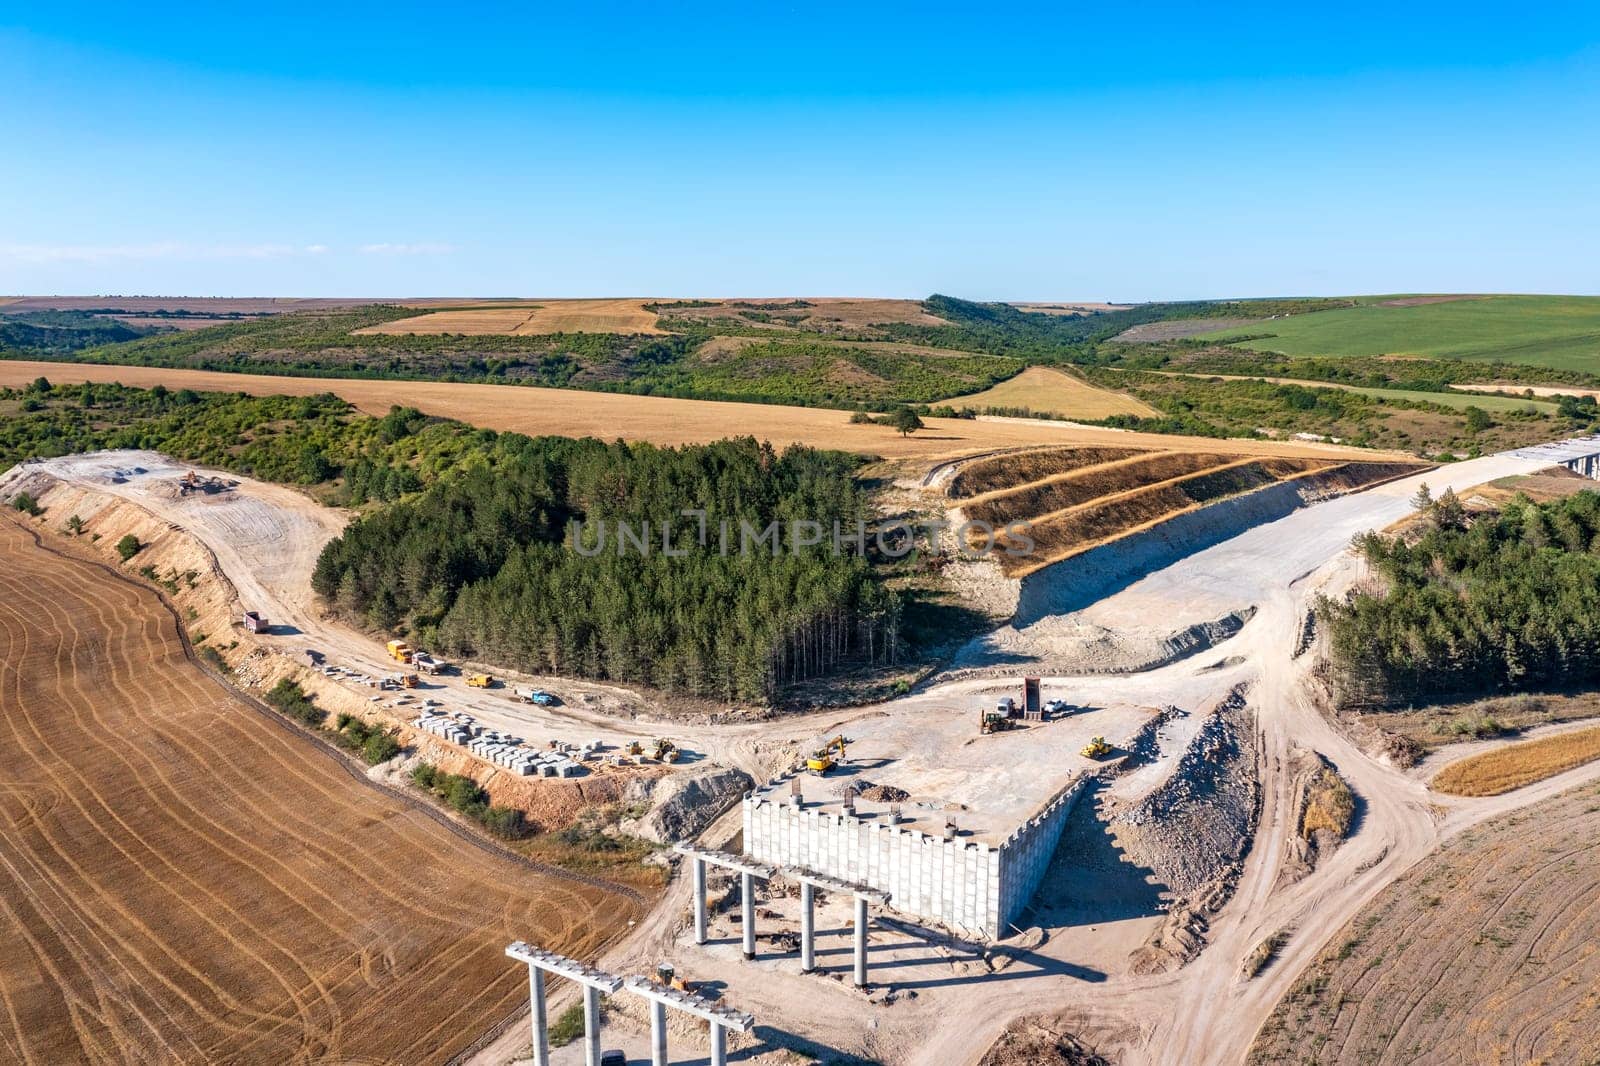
1099, 797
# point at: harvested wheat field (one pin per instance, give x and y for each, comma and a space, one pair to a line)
658, 419
1515, 765
1043, 390
545, 316
185, 877
1484, 953
1075, 499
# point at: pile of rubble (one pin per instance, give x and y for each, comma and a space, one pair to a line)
1200, 822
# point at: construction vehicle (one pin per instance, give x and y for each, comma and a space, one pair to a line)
994, 722
480, 681
1031, 709
667, 974
1097, 748
1007, 706
399, 651
409, 680
634, 748
254, 623
426, 663
666, 750
822, 760
537, 696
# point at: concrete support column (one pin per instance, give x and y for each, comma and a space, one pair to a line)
747, 900
808, 927
591, 1026
719, 1045
699, 901
539, 1017
861, 941
658, 1033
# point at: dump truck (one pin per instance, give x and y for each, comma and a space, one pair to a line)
822, 760
426, 663
1097, 748
480, 681
399, 651
537, 696
254, 623
1031, 709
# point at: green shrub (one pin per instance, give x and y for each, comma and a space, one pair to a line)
380, 747
567, 1027
128, 546
24, 501
288, 697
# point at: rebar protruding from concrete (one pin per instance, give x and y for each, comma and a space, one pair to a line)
699, 900
861, 941
539, 1017
658, 1033
808, 927
747, 901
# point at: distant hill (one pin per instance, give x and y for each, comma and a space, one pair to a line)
1561, 332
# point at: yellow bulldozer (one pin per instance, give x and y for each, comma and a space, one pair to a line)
823, 759
1097, 748
666, 750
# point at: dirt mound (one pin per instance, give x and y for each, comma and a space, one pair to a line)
885, 794
1040, 1041
1198, 825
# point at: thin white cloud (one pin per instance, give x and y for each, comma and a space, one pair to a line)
172, 250
419, 248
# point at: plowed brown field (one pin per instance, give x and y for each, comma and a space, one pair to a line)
1484, 953
186, 878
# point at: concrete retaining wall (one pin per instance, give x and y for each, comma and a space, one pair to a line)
1026, 856
971, 887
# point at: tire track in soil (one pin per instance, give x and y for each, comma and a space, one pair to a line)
376, 1003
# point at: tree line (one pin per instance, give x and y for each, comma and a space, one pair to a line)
1504, 602
482, 564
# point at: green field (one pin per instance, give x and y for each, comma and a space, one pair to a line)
1552, 331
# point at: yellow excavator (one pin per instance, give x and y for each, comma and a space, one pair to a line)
822, 760
1097, 748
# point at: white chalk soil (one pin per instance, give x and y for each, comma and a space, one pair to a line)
265, 539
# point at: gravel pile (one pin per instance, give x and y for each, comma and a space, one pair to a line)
1198, 825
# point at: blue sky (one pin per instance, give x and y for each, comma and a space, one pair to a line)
1122, 152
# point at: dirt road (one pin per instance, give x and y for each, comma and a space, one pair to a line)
1203, 1013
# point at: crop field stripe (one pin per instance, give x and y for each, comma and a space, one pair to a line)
167, 997
1513, 766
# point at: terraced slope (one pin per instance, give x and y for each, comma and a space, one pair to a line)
1076, 499
184, 877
